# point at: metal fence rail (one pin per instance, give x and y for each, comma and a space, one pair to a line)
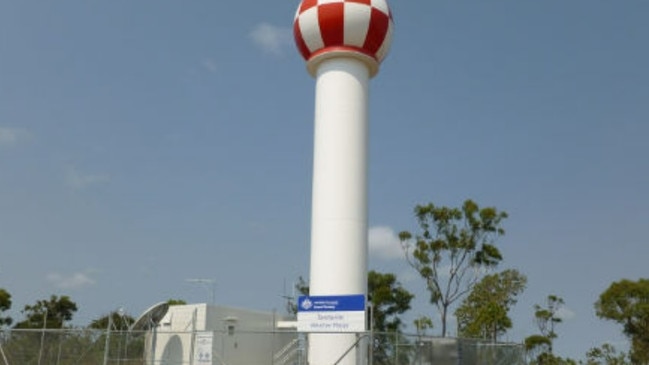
100, 347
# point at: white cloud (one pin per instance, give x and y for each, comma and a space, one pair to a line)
73, 281
9, 136
209, 65
78, 180
270, 38
384, 243
565, 313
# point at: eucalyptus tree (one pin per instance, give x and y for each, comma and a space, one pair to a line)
48, 313
422, 324
5, 305
627, 303
389, 300
484, 313
115, 339
45, 315
116, 321
453, 250
606, 354
546, 317
173, 301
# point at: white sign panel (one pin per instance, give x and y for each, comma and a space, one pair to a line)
341, 313
203, 348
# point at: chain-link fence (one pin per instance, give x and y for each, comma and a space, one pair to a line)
398, 349
96, 347
71, 347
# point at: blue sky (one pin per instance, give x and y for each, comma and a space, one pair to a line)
143, 143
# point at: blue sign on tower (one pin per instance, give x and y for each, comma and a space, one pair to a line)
338, 313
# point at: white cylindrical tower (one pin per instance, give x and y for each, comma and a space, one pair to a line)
344, 42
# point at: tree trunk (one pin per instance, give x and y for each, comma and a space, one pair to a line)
444, 310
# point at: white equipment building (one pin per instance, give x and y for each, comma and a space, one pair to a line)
202, 334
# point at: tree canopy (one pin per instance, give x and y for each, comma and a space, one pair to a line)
422, 324
173, 301
118, 321
539, 346
627, 303
452, 250
389, 300
606, 354
51, 313
484, 312
5, 305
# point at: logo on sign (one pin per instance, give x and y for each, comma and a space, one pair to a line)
306, 304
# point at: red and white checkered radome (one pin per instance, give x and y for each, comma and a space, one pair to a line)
354, 26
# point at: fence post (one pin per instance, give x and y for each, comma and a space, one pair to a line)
2, 352
106, 346
40, 352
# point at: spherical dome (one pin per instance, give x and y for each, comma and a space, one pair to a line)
358, 27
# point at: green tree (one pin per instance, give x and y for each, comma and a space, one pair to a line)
52, 313
551, 359
388, 301
606, 354
536, 346
120, 342
627, 303
546, 319
119, 321
484, 312
5, 305
176, 302
422, 324
33, 347
453, 249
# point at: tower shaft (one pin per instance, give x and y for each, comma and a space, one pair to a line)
339, 201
